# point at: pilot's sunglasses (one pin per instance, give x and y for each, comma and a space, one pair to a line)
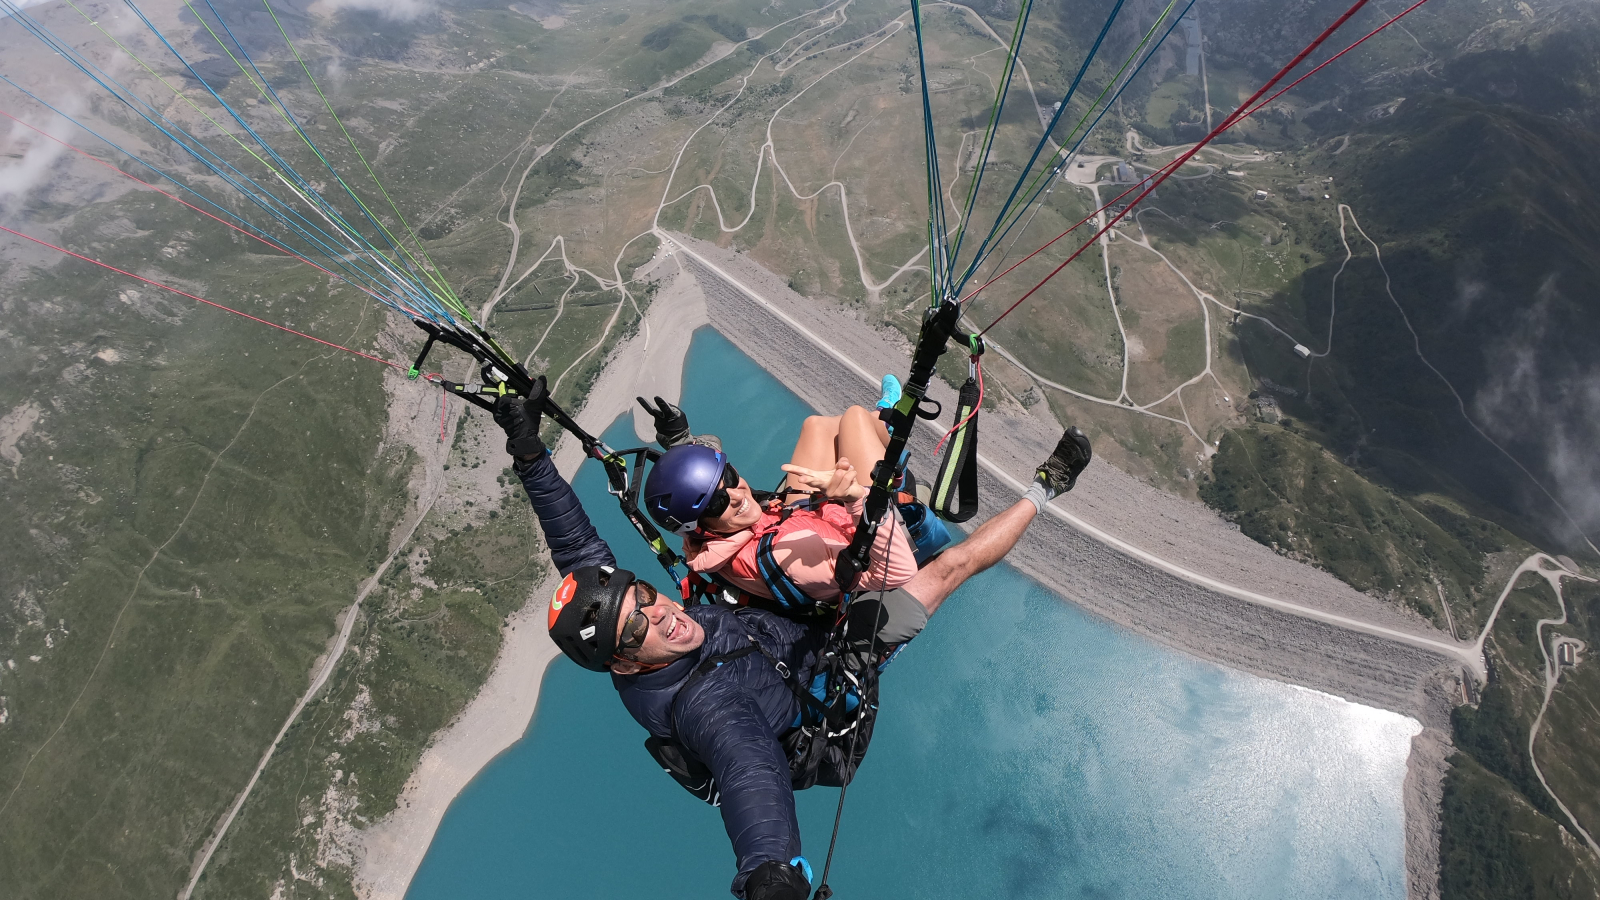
637, 627
719, 500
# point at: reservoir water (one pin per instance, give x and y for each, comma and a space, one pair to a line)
1025, 749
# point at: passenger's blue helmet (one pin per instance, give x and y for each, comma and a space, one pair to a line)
682, 485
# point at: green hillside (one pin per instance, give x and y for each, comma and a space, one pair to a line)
1460, 389
1286, 491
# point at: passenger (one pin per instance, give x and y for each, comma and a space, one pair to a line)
693, 677
780, 547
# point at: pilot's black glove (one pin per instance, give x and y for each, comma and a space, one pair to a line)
774, 880
520, 420
672, 426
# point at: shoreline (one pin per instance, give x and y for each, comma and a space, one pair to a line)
392, 849
1207, 624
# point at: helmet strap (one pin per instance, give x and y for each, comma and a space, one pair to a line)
644, 668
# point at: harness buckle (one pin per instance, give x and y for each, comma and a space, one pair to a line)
783, 669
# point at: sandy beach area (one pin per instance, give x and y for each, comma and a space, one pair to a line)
1168, 568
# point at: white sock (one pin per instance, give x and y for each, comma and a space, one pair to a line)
1039, 494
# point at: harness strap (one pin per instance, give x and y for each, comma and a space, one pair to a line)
784, 590
837, 682
711, 664
832, 713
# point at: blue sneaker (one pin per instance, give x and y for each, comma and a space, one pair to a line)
891, 392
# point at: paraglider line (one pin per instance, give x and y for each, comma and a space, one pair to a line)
1044, 141
1259, 106
1001, 93
977, 365
136, 179
1166, 171
1046, 177
282, 216
230, 309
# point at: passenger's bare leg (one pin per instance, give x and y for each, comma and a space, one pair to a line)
995, 538
862, 439
982, 549
817, 447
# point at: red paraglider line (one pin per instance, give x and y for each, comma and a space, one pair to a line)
270, 243
977, 366
230, 309
1403, 14
1246, 109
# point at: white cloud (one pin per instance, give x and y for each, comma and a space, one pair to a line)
1538, 396
394, 10
20, 174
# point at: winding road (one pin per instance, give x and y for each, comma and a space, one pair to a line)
1552, 572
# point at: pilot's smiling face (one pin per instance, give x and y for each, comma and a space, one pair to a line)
668, 632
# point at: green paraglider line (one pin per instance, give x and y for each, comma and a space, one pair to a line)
429, 270
252, 235
1008, 217
1001, 93
287, 216
1245, 110
938, 256
166, 287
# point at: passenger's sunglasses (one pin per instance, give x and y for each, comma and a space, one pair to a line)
719, 500
637, 627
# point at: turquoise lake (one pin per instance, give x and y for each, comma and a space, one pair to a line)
1024, 749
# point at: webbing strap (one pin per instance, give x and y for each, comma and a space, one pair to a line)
784, 590
955, 490
711, 664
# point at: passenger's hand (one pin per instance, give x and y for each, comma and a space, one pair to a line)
774, 880
838, 483
672, 426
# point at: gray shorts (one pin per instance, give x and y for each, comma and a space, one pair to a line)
892, 619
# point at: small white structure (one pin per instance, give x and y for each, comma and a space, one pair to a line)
1303, 350
1565, 655
1261, 195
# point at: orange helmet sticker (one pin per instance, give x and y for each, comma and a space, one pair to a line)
569, 587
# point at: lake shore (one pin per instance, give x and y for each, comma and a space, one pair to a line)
753, 308
649, 363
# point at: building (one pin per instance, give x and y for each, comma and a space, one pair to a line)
1566, 655
1125, 173
1191, 38
1262, 195
1303, 350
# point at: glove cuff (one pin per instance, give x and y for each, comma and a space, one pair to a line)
530, 445
707, 440
668, 441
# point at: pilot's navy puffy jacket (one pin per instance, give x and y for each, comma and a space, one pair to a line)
731, 719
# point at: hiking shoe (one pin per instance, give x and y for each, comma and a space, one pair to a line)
890, 391
1060, 472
